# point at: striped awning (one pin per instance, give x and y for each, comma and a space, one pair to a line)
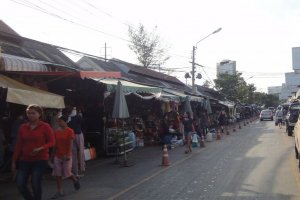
16, 63
182, 95
128, 87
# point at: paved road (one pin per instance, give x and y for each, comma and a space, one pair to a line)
256, 162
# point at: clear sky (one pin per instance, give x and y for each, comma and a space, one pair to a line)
257, 34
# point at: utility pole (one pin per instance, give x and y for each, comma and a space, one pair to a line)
193, 59
193, 71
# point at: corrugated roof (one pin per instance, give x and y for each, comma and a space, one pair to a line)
5, 28
210, 93
97, 64
148, 72
14, 44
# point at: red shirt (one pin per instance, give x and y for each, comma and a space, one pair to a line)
64, 141
28, 139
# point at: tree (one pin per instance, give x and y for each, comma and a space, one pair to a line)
147, 47
206, 84
251, 90
233, 86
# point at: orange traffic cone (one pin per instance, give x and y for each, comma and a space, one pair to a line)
165, 157
218, 135
202, 144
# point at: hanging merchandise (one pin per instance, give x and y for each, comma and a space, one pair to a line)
167, 107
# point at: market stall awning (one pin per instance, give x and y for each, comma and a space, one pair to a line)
17, 63
128, 87
182, 95
227, 103
20, 93
165, 96
81, 74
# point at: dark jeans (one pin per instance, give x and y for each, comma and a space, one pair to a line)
34, 169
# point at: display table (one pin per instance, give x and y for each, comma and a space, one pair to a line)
117, 141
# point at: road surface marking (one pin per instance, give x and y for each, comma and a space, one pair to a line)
152, 176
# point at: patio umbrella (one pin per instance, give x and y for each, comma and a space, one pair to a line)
187, 106
120, 111
207, 106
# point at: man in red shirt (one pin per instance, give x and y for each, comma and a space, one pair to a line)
63, 156
31, 152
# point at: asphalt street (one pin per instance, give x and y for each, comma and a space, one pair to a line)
256, 162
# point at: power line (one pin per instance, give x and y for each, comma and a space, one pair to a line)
106, 13
38, 8
58, 9
210, 80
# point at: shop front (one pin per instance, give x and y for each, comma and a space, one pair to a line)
14, 97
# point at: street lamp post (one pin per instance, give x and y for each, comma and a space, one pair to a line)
193, 59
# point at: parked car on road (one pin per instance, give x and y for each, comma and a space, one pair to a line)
292, 117
266, 114
297, 139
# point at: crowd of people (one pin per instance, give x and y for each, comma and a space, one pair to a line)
60, 145
39, 145
193, 128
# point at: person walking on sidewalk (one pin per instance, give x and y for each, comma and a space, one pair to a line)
62, 163
204, 122
279, 117
32, 153
222, 118
188, 130
78, 160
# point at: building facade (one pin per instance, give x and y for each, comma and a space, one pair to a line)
274, 90
226, 67
292, 79
296, 59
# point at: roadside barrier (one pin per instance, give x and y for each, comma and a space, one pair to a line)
165, 157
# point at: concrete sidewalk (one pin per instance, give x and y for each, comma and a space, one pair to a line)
103, 178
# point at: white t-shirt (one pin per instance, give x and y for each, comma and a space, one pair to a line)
279, 114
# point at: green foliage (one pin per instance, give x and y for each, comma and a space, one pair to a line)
232, 86
235, 88
207, 84
269, 100
147, 47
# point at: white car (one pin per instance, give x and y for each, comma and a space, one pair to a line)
266, 114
